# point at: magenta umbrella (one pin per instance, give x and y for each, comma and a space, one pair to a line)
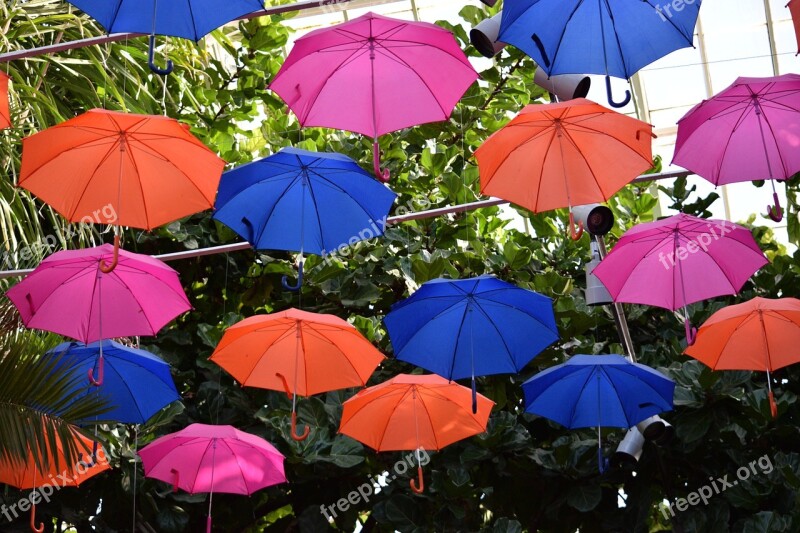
70, 294
680, 260
749, 131
374, 75
206, 458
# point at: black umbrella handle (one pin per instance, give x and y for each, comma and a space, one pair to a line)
611, 100
151, 59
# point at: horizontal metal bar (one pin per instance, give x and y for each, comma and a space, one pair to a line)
116, 37
430, 213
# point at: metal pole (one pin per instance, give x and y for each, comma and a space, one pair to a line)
430, 213
617, 310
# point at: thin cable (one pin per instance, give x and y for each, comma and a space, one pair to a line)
211, 491
135, 448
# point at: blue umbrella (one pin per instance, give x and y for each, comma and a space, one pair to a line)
303, 201
190, 19
598, 390
611, 37
136, 383
471, 327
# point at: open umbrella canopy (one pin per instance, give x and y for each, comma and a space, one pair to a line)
296, 200
611, 37
374, 75
5, 115
471, 327
760, 334
136, 383
794, 8
749, 131
69, 294
598, 391
125, 169
564, 154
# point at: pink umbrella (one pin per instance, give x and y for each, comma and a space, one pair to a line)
374, 75
205, 458
679, 260
750, 131
70, 294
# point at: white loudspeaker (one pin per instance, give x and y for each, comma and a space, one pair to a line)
484, 36
629, 450
564, 86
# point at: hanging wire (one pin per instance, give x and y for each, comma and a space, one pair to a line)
135, 472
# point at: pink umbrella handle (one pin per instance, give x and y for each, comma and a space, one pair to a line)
177, 480
302, 436
773, 406
418, 487
106, 268
35, 529
575, 234
208, 524
691, 332
286, 388
774, 211
382, 175
100, 365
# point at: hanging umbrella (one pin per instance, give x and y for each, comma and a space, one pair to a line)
761, 334
471, 327
69, 293
794, 9
598, 390
749, 131
137, 383
107, 167
206, 458
190, 19
374, 75
298, 352
413, 412
679, 260
5, 115
28, 476
564, 154
610, 37
303, 201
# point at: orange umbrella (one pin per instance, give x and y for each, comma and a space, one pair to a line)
125, 169
298, 352
5, 115
794, 9
413, 412
59, 475
564, 154
761, 334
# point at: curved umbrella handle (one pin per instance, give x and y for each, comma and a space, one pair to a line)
773, 406
419, 486
296, 286
576, 235
285, 385
774, 211
648, 132
177, 479
106, 268
298, 437
35, 529
611, 100
691, 332
382, 175
151, 59
100, 366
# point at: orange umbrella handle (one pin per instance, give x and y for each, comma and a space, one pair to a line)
573, 233
100, 365
285, 385
773, 407
382, 175
295, 435
649, 132
418, 487
35, 529
177, 480
105, 268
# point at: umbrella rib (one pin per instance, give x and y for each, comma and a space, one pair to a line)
588, 166
583, 387
744, 319
603, 372
188, 177
430, 422
545, 130
505, 345
786, 171
346, 358
391, 414
92, 175
194, 23
280, 198
419, 76
236, 458
616, 40
458, 340
739, 121
563, 33
316, 211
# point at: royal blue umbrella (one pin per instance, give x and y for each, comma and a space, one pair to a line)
301, 201
190, 19
611, 37
135, 383
471, 327
598, 390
